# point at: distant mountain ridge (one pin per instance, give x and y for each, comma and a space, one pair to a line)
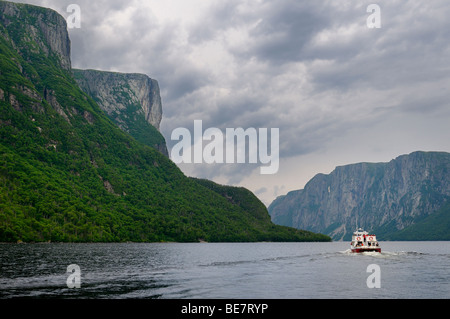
386, 198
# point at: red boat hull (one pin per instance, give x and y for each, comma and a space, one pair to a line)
363, 250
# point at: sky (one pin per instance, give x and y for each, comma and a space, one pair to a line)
339, 91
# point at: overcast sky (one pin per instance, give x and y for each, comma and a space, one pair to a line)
339, 92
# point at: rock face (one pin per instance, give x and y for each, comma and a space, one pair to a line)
48, 30
381, 197
117, 92
131, 100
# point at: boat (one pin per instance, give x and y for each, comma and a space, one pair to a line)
363, 242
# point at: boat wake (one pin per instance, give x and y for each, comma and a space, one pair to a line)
366, 253
382, 254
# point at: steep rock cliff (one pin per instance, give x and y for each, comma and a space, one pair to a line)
132, 101
382, 197
118, 91
41, 30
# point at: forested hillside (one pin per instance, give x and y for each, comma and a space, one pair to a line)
68, 173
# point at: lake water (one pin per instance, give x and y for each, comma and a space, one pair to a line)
226, 270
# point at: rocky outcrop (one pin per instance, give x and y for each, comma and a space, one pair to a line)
382, 197
117, 93
132, 101
43, 27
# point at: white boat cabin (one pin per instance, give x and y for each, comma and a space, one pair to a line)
362, 238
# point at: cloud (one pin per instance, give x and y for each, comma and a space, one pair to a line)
283, 31
337, 90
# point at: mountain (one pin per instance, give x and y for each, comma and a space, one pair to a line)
132, 101
69, 173
409, 193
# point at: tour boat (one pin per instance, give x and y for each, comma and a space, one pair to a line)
362, 242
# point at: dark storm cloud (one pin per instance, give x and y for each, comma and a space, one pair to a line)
220, 16
311, 68
183, 81
284, 29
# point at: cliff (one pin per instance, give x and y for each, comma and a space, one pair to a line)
70, 174
382, 197
40, 29
132, 101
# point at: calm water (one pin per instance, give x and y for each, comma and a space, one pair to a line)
238, 271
